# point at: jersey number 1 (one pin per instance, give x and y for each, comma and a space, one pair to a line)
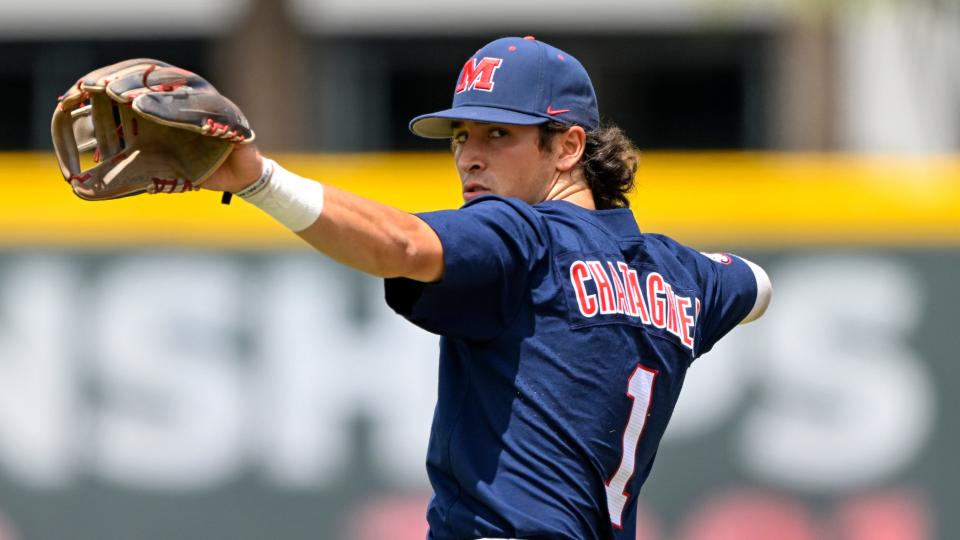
640, 390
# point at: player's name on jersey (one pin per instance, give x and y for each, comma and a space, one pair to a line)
614, 289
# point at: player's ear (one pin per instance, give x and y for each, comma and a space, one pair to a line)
570, 146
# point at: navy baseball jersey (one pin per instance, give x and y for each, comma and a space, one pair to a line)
565, 337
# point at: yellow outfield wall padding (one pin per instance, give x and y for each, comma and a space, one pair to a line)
710, 200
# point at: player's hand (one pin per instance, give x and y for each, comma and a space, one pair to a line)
241, 169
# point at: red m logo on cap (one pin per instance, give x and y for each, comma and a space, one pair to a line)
478, 75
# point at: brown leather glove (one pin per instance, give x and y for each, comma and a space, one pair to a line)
153, 128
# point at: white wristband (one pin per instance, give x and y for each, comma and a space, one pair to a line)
294, 201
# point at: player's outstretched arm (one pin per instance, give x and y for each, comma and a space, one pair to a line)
363, 234
375, 238
158, 128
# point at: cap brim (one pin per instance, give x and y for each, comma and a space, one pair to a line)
439, 125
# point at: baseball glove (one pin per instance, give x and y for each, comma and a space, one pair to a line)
152, 128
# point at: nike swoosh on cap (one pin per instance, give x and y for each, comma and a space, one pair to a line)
551, 111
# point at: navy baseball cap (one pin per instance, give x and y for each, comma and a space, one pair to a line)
520, 81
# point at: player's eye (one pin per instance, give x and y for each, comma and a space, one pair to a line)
459, 137
496, 133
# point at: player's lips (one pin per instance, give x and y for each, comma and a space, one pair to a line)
473, 189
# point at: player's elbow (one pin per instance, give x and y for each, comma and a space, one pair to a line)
764, 293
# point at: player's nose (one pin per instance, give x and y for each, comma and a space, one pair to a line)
470, 158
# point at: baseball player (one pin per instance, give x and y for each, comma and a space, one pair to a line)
565, 332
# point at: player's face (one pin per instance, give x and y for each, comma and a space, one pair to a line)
503, 160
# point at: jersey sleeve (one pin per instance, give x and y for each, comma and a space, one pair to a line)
490, 247
729, 292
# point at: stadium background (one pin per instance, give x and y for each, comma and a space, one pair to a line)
172, 368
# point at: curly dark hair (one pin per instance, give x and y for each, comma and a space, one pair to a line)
609, 162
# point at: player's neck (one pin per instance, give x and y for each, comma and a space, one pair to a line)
573, 189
